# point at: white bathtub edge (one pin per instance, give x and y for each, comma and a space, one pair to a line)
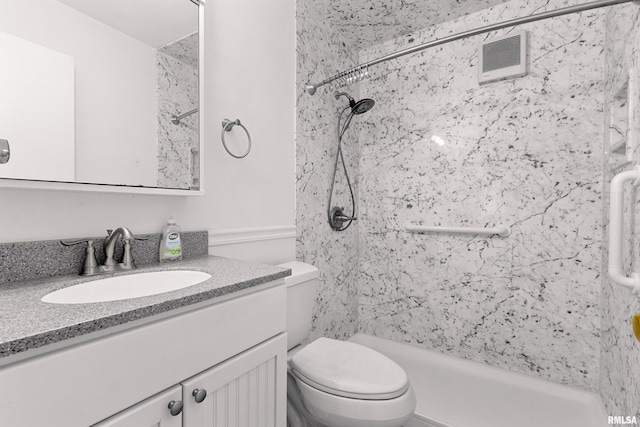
530, 389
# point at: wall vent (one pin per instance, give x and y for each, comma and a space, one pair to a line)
502, 57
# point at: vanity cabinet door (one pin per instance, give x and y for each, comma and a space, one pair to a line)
248, 390
150, 412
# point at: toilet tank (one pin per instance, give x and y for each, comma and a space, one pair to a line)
301, 295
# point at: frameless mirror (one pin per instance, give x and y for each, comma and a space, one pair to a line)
101, 92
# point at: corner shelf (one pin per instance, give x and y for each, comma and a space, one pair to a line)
622, 123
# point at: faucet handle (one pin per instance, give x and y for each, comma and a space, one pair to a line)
75, 242
127, 258
90, 265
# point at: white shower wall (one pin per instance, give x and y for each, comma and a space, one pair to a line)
620, 353
335, 254
525, 153
439, 149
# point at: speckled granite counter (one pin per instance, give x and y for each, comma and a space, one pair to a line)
26, 323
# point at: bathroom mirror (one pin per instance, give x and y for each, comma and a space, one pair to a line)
101, 92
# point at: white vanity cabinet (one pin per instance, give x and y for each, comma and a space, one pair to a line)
245, 391
149, 413
234, 349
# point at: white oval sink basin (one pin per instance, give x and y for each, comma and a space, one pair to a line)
126, 287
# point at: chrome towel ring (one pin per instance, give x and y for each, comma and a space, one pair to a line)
227, 125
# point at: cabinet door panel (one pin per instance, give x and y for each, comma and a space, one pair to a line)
248, 390
153, 412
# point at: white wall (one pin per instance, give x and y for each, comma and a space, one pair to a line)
27, 93
250, 75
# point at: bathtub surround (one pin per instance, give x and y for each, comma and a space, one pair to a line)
620, 355
334, 254
438, 149
523, 153
34, 260
184, 50
379, 20
178, 144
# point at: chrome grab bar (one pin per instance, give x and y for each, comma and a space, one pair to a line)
500, 231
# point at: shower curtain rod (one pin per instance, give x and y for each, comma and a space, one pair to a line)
356, 73
175, 119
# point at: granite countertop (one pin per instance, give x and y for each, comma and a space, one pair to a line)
26, 323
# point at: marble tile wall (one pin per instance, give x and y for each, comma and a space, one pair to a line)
620, 353
178, 156
364, 23
334, 253
438, 149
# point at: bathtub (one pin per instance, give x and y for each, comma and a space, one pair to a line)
453, 392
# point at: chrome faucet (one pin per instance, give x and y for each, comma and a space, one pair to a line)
91, 266
110, 246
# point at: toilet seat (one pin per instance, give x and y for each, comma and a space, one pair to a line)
350, 370
336, 411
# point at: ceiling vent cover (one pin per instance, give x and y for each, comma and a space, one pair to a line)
502, 57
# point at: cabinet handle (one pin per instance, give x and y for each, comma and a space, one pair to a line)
199, 395
175, 407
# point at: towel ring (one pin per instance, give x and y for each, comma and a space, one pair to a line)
227, 125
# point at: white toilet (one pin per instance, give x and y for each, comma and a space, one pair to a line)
336, 383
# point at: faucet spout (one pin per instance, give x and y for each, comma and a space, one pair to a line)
91, 266
122, 233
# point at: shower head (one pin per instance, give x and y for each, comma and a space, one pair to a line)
363, 106
359, 107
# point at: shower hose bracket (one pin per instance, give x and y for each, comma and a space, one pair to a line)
337, 218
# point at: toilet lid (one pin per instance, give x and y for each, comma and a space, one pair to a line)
348, 369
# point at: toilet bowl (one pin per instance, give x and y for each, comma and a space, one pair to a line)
349, 385
335, 383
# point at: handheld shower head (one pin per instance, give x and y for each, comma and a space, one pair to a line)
359, 107
363, 106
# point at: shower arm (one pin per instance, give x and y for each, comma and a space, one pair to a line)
311, 88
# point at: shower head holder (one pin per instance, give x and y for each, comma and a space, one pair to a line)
337, 218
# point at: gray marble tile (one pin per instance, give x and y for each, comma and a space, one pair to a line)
178, 144
525, 153
184, 50
620, 358
335, 254
362, 24
440, 149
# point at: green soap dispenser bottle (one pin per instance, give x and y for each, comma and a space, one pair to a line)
171, 245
